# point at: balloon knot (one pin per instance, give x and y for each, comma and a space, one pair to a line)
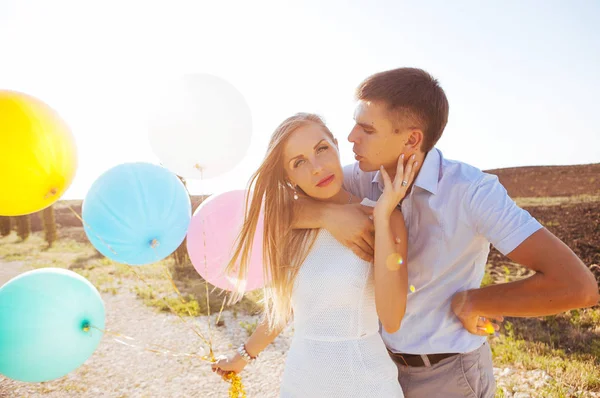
86, 326
52, 192
154, 244
198, 167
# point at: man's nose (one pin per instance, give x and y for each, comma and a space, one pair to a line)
353, 136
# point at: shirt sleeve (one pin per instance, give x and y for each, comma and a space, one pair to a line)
368, 202
496, 216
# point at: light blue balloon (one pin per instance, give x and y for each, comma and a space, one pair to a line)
137, 213
43, 319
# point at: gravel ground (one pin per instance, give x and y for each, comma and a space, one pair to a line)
117, 370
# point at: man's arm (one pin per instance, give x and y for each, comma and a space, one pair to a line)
310, 213
349, 224
561, 282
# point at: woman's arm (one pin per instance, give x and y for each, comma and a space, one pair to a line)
391, 275
257, 342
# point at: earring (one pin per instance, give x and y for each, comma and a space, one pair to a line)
292, 187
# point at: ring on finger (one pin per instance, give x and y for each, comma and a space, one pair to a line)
404, 183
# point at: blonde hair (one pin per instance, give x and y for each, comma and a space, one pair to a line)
284, 248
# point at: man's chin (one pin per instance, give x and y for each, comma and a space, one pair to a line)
366, 166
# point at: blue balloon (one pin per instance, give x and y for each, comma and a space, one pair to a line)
137, 213
48, 321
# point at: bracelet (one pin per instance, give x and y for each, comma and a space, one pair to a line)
244, 354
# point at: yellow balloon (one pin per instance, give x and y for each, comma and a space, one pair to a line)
38, 156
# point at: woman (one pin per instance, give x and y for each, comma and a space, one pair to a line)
335, 297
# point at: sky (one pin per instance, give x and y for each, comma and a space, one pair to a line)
522, 78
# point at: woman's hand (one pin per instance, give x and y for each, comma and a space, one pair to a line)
225, 365
395, 191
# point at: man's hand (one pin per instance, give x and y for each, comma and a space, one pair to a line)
473, 322
352, 226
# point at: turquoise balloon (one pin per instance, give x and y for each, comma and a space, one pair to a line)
44, 319
137, 213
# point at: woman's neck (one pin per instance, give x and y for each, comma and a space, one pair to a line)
342, 197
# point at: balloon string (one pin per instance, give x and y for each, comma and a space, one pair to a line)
170, 277
206, 287
182, 299
165, 350
221, 310
234, 379
236, 389
168, 273
211, 353
197, 332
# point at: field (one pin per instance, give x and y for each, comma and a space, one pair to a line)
556, 356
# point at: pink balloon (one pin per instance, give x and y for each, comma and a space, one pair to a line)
211, 241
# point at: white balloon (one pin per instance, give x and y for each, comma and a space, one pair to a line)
200, 126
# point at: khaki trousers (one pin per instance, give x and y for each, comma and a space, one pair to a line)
469, 375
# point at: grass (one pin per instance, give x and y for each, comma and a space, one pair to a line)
249, 327
555, 201
15, 257
550, 224
488, 279
570, 371
12, 245
566, 346
186, 307
508, 272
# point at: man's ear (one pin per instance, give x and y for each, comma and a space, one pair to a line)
415, 139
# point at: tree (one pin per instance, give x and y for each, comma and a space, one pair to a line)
49, 222
180, 256
5, 226
23, 226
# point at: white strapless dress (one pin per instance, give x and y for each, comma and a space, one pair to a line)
336, 350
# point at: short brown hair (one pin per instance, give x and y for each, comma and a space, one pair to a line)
410, 93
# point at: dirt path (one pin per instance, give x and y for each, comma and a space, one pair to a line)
117, 370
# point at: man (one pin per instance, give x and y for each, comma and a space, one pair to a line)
453, 212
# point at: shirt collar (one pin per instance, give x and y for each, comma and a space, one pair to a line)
429, 174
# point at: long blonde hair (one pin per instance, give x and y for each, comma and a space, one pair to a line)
284, 248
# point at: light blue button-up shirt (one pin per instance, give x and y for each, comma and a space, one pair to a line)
453, 213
